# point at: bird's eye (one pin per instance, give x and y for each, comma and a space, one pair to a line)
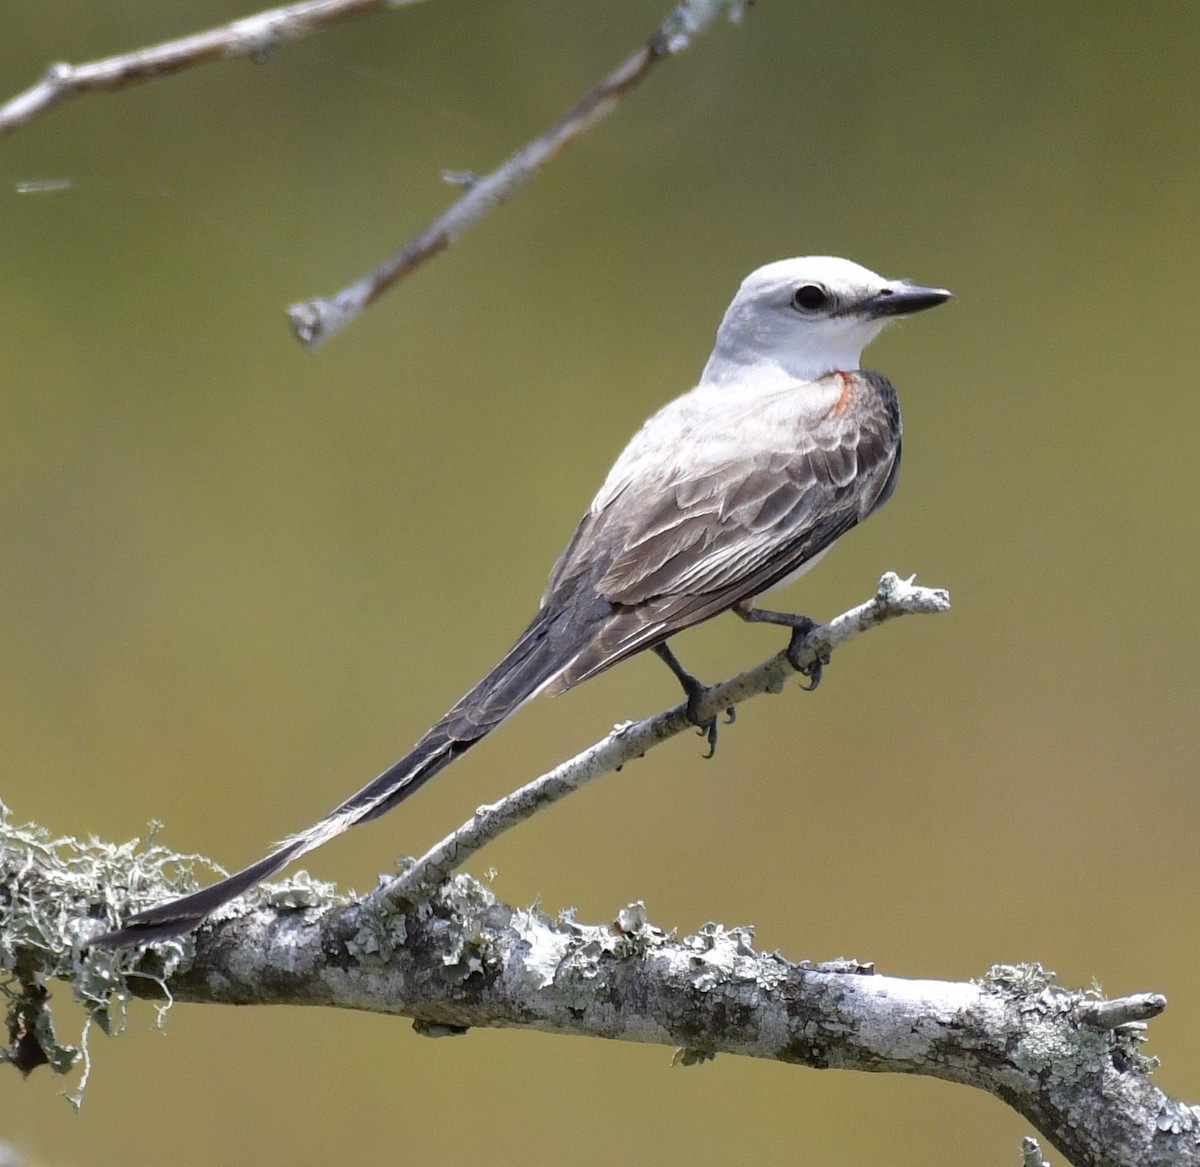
810, 297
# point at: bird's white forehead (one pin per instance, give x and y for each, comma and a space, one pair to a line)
829, 270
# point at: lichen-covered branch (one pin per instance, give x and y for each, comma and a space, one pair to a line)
315, 321
251, 36
460, 960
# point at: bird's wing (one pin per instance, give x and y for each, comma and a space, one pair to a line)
687, 537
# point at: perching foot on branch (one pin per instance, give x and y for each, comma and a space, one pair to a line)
801, 626
697, 694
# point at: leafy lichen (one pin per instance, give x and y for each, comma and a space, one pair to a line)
56, 893
722, 955
1054, 1042
1058, 1047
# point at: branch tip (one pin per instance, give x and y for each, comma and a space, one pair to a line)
482, 194
1121, 1011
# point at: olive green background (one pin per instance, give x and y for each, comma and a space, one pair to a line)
237, 578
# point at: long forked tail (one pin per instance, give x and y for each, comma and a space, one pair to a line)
544, 649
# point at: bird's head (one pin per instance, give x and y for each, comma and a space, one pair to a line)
810, 316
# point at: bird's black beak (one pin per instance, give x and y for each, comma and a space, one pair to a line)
901, 299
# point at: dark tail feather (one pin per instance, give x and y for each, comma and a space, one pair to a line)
548, 644
179, 916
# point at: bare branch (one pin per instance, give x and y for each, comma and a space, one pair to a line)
315, 321
893, 597
251, 36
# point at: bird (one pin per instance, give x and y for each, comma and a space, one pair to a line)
727, 492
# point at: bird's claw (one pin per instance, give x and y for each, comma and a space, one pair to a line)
813, 669
697, 694
706, 727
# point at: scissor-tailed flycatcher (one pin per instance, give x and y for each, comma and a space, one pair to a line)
732, 489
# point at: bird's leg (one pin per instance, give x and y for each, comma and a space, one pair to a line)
696, 692
801, 626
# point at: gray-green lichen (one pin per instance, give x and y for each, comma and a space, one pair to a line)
577, 959
563, 954
56, 893
723, 955
1055, 1042
582, 974
300, 890
1016, 980
1056, 1046
466, 901
462, 900
1177, 1118
382, 929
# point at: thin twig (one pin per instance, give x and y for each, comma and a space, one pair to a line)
315, 321
893, 597
251, 36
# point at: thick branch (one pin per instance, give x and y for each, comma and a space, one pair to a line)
463, 960
251, 36
315, 321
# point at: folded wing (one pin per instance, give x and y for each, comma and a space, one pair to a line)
688, 537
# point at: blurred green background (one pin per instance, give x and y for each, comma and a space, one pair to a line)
237, 578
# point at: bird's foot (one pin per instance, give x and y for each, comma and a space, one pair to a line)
801, 626
816, 666
706, 726
697, 695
